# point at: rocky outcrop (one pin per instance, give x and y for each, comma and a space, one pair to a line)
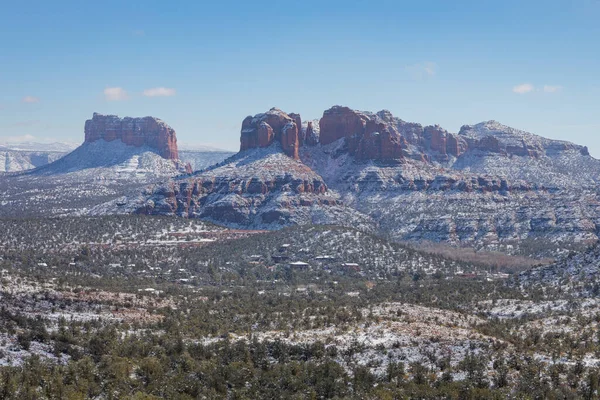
435, 138
289, 140
138, 132
341, 122
273, 126
493, 137
443, 143
382, 137
298, 121
253, 189
455, 145
368, 136
311, 133
394, 136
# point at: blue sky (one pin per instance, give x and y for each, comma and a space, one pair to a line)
203, 66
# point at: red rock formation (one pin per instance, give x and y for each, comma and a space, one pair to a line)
310, 138
435, 138
274, 125
265, 134
339, 122
298, 122
189, 196
381, 136
368, 136
488, 143
584, 151
455, 145
146, 131
289, 140
248, 138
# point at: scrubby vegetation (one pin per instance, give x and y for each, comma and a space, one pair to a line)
142, 307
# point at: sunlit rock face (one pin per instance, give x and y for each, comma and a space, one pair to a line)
138, 132
273, 126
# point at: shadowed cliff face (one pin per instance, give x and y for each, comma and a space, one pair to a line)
138, 132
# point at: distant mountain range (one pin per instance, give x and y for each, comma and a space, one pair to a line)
201, 147
23, 156
63, 147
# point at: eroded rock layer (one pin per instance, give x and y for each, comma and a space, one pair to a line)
273, 126
138, 132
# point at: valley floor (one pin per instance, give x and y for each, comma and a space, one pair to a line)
144, 307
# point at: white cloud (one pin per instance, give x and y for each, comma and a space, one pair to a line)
429, 68
552, 88
422, 70
19, 139
115, 94
523, 88
30, 99
159, 92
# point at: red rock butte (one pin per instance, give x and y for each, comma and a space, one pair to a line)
368, 136
138, 132
273, 126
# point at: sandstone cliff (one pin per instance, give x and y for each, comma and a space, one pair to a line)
146, 131
273, 126
382, 137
